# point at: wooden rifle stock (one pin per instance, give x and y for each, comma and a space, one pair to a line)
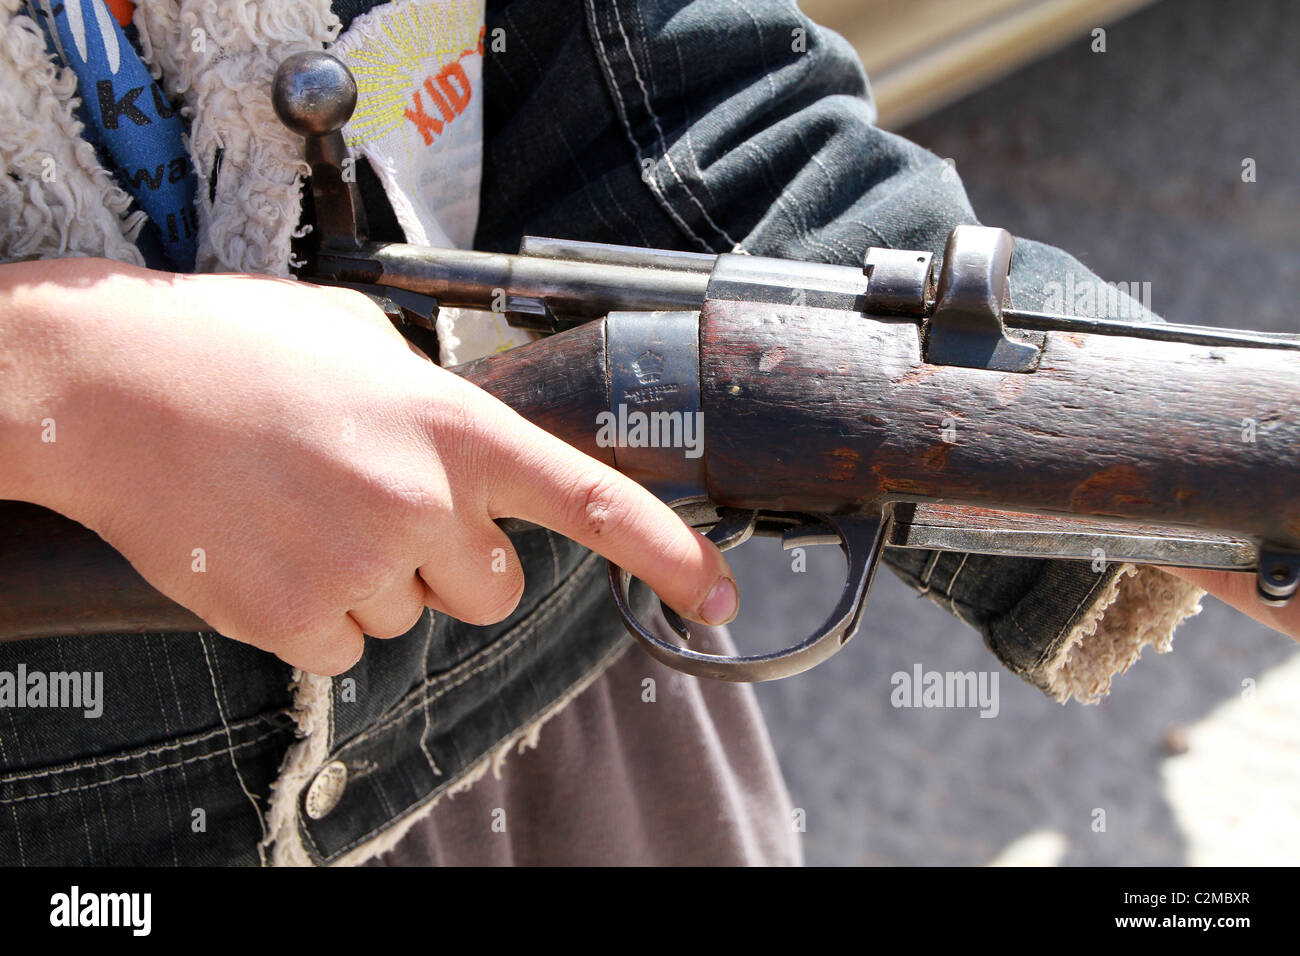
815, 410
1157, 432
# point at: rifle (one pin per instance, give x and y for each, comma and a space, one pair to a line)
870, 408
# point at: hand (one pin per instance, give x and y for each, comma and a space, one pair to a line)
1237, 588
274, 457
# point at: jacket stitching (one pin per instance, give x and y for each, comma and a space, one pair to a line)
1054, 644
612, 81
663, 142
559, 130
136, 754
143, 773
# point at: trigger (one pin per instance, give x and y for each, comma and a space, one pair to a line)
733, 529
808, 535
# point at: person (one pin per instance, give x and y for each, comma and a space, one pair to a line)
274, 457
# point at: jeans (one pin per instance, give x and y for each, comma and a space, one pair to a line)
706, 126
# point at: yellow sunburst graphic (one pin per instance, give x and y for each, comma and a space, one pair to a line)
408, 48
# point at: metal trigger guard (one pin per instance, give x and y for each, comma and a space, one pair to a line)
860, 537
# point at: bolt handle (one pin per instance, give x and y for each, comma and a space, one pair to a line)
314, 94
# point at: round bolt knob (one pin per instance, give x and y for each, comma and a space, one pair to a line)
314, 93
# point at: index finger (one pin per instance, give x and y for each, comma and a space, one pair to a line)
555, 485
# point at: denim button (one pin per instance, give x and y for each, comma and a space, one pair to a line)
327, 789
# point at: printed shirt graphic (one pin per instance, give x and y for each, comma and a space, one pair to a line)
419, 122
128, 117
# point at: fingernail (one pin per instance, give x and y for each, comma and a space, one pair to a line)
721, 604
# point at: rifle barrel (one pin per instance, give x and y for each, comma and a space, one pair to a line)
578, 288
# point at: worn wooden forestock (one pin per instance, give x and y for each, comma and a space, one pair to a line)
820, 410
805, 414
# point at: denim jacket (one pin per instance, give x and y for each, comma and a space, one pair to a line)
709, 126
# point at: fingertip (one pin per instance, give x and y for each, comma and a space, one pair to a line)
722, 603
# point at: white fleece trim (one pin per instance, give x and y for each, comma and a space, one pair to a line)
56, 199
313, 702
219, 58
1143, 605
